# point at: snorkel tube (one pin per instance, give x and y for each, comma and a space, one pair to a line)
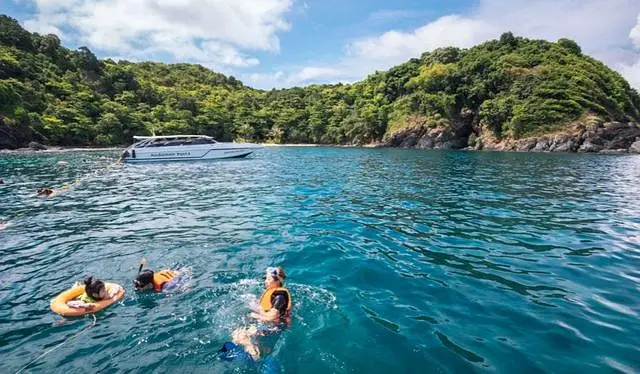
142, 263
136, 283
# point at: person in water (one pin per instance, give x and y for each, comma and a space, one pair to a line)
273, 312
94, 290
275, 303
159, 281
45, 192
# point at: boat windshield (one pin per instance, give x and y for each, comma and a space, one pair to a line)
174, 141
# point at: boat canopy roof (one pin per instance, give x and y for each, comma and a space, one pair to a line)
171, 140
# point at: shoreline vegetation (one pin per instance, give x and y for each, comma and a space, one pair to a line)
510, 94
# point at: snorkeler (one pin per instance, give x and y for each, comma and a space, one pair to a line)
275, 303
94, 290
273, 310
48, 192
159, 281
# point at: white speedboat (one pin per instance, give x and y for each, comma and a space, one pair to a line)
184, 148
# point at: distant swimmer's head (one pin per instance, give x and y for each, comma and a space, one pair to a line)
95, 288
44, 191
274, 277
144, 280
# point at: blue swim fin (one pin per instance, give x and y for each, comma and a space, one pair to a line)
234, 352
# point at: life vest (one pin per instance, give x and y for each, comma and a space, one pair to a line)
162, 277
265, 299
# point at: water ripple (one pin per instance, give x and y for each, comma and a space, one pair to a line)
455, 261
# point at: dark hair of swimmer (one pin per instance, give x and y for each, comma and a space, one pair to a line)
143, 279
44, 191
93, 287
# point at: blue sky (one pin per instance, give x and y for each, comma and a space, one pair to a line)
283, 43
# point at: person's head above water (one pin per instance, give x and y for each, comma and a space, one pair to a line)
44, 191
144, 280
95, 288
274, 277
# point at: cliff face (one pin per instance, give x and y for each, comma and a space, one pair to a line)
610, 137
592, 137
14, 135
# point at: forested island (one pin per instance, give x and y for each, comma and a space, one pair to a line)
508, 94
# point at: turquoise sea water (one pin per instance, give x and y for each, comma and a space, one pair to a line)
399, 261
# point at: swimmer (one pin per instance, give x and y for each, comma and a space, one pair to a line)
48, 192
94, 290
3, 225
273, 311
159, 281
275, 303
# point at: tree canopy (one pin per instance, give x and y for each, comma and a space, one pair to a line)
513, 87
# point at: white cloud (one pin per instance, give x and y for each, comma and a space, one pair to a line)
635, 33
264, 80
601, 27
396, 46
43, 27
310, 73
632, 73
208, 31
631, 70
297, 77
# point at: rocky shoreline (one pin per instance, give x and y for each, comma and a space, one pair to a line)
599, 137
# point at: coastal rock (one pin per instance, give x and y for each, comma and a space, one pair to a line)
425, 143
419, 135
613, 151
593, 136
542, 145
442, 138
614, 126
404, 138
588, 146
635, 147
526, 145
562, 143
36, 146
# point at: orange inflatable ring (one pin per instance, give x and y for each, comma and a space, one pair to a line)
59, 304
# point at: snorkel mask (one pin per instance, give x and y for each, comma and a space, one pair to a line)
139, 283
273, 272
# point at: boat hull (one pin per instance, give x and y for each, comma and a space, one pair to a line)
181, 154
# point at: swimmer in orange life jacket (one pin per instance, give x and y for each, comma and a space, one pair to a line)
275, 303
273, 310
158, 281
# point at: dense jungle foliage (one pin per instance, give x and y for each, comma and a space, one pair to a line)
513, 87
